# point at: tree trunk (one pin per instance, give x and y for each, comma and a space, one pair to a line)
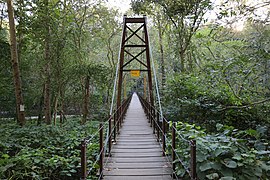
182, 61
40, 112
15, 66
47, 71
86, 99
55, 105
61, 111
47, 85
190, 61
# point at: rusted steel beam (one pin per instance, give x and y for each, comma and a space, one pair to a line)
126, 70
135, 20
150, 86
135, 58
120, 76
135, 33
136, 45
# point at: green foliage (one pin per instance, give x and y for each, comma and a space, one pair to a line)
200, 99
6, 86
44, 152
228, 154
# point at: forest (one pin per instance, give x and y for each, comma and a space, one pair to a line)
58, 60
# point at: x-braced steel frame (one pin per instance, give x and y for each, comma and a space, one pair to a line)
125, 50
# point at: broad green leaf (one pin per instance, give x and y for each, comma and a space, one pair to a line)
257, 171
218, 152
226, 171
259, 146
72, 171
227, 178
212, 176
263, 152
216, 165
237, 157
205, 166
230, 163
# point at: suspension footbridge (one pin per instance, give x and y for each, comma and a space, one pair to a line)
137, 141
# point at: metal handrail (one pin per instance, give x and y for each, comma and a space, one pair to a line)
117, 117
154, 118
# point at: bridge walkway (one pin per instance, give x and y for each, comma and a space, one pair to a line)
136, 155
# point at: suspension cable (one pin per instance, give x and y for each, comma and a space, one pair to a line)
155, 77
116, 74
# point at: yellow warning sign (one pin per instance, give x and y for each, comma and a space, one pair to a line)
135, 73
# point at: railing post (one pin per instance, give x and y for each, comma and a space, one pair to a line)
193, 159
101, 150
158, 126
122, 114
173, 149
148, 106
150, 115
154, 120
115, 127
120, 117
83, 160
110, 135
163, 136
117, 121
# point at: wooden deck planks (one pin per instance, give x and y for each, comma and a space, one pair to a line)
136, 155
163, 177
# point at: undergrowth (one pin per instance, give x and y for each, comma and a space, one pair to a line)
45, 151
228, 154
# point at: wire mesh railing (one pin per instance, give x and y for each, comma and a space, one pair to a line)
112, 126
168, 136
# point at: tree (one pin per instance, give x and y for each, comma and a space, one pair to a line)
15, 66
160, 23
186, 17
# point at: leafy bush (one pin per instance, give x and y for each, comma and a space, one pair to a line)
229, 154
43, 152
198, 99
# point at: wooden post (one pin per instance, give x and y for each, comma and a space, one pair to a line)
117, 120
114, 127
173, 149
83, 160
101, 149
148, 113
110, 136
163, 136
193, 159
154, 120
121, 115
158, 126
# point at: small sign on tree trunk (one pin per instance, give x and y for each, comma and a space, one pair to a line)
21, 108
